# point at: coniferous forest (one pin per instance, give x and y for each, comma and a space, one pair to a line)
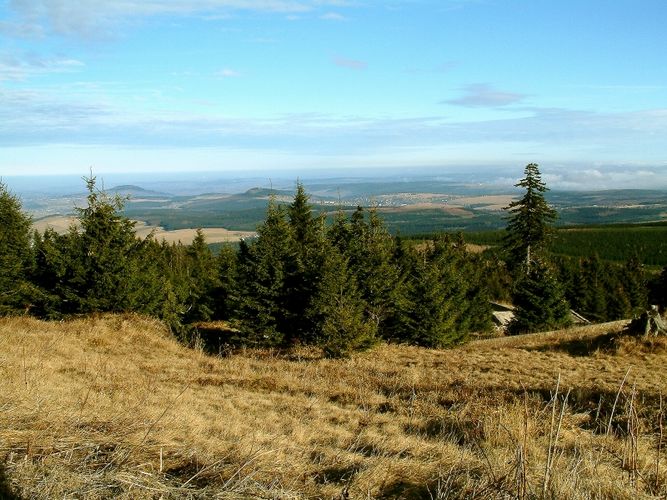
343, 285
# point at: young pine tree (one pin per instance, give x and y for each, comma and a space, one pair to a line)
371, 251
338, 310
16, 257
262, 271
303, 270
99, 266
433, 314
202, 277
539, 301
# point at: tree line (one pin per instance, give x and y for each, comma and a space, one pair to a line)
342, 285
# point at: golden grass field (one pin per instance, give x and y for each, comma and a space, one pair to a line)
113, 407
61, 225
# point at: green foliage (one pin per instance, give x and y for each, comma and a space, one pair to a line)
618, 243
539, 301
338, 310
538, 296
225, 295
371, 253
604, 291
202, 275
16, 256
444, 299
304, 270
100, 265
262, 270
529, 225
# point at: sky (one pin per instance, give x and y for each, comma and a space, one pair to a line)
578, 86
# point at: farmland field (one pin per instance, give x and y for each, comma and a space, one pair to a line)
214, 235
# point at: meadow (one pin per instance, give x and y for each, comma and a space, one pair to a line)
113, 407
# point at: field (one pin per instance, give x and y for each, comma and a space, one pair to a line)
113, 407
213, 234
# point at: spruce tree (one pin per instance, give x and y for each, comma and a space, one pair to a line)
371, 250
436, 298
100, 265
339, 311
202, 280
262, 269
539, 301
105, 250
593, 288
16, 257
633, 280
304, 266
529, 225
225, 294
537, 295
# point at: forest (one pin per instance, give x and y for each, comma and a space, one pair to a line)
343, 285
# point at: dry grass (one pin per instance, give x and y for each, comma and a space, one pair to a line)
112, 407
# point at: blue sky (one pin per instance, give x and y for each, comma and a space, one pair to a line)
157, 85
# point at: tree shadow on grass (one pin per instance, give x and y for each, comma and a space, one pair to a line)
582, 346
6, 492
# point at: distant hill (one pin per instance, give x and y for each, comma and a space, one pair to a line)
137, 192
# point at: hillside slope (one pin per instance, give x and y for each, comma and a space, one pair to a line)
112, 407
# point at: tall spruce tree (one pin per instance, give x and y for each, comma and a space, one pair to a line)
262, 271
539, 298
303, 270
529, 224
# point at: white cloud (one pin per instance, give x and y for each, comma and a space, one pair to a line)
23, 66
228, 73
94, 17
332, 16
484, 96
